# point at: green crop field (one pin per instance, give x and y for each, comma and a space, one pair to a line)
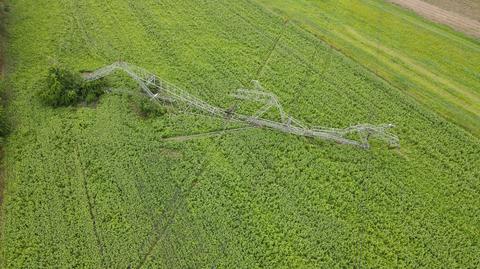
100, 186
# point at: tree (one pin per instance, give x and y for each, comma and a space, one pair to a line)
66, 88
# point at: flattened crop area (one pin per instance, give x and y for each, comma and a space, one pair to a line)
438, 14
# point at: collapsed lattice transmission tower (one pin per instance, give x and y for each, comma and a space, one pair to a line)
161, 91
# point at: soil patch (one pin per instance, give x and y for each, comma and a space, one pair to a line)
469, 8
438, 14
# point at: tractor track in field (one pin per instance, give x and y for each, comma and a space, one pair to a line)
457, 21
159, 230
81, 173
171, 211
271, 50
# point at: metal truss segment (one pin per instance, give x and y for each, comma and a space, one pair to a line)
160, 90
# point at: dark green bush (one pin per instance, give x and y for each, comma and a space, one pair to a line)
92, 90
66, 88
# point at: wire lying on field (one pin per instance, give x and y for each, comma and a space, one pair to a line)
160, 91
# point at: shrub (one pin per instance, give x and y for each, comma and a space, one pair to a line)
91, 91
65, 88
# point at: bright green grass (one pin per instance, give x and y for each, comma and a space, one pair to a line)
436, 65
97, 187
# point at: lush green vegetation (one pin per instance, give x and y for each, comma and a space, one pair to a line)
98, 187
65, 88
145, 107
435, 65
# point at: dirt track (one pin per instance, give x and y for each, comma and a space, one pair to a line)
437, 14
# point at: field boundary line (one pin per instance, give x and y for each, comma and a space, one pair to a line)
80, 172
